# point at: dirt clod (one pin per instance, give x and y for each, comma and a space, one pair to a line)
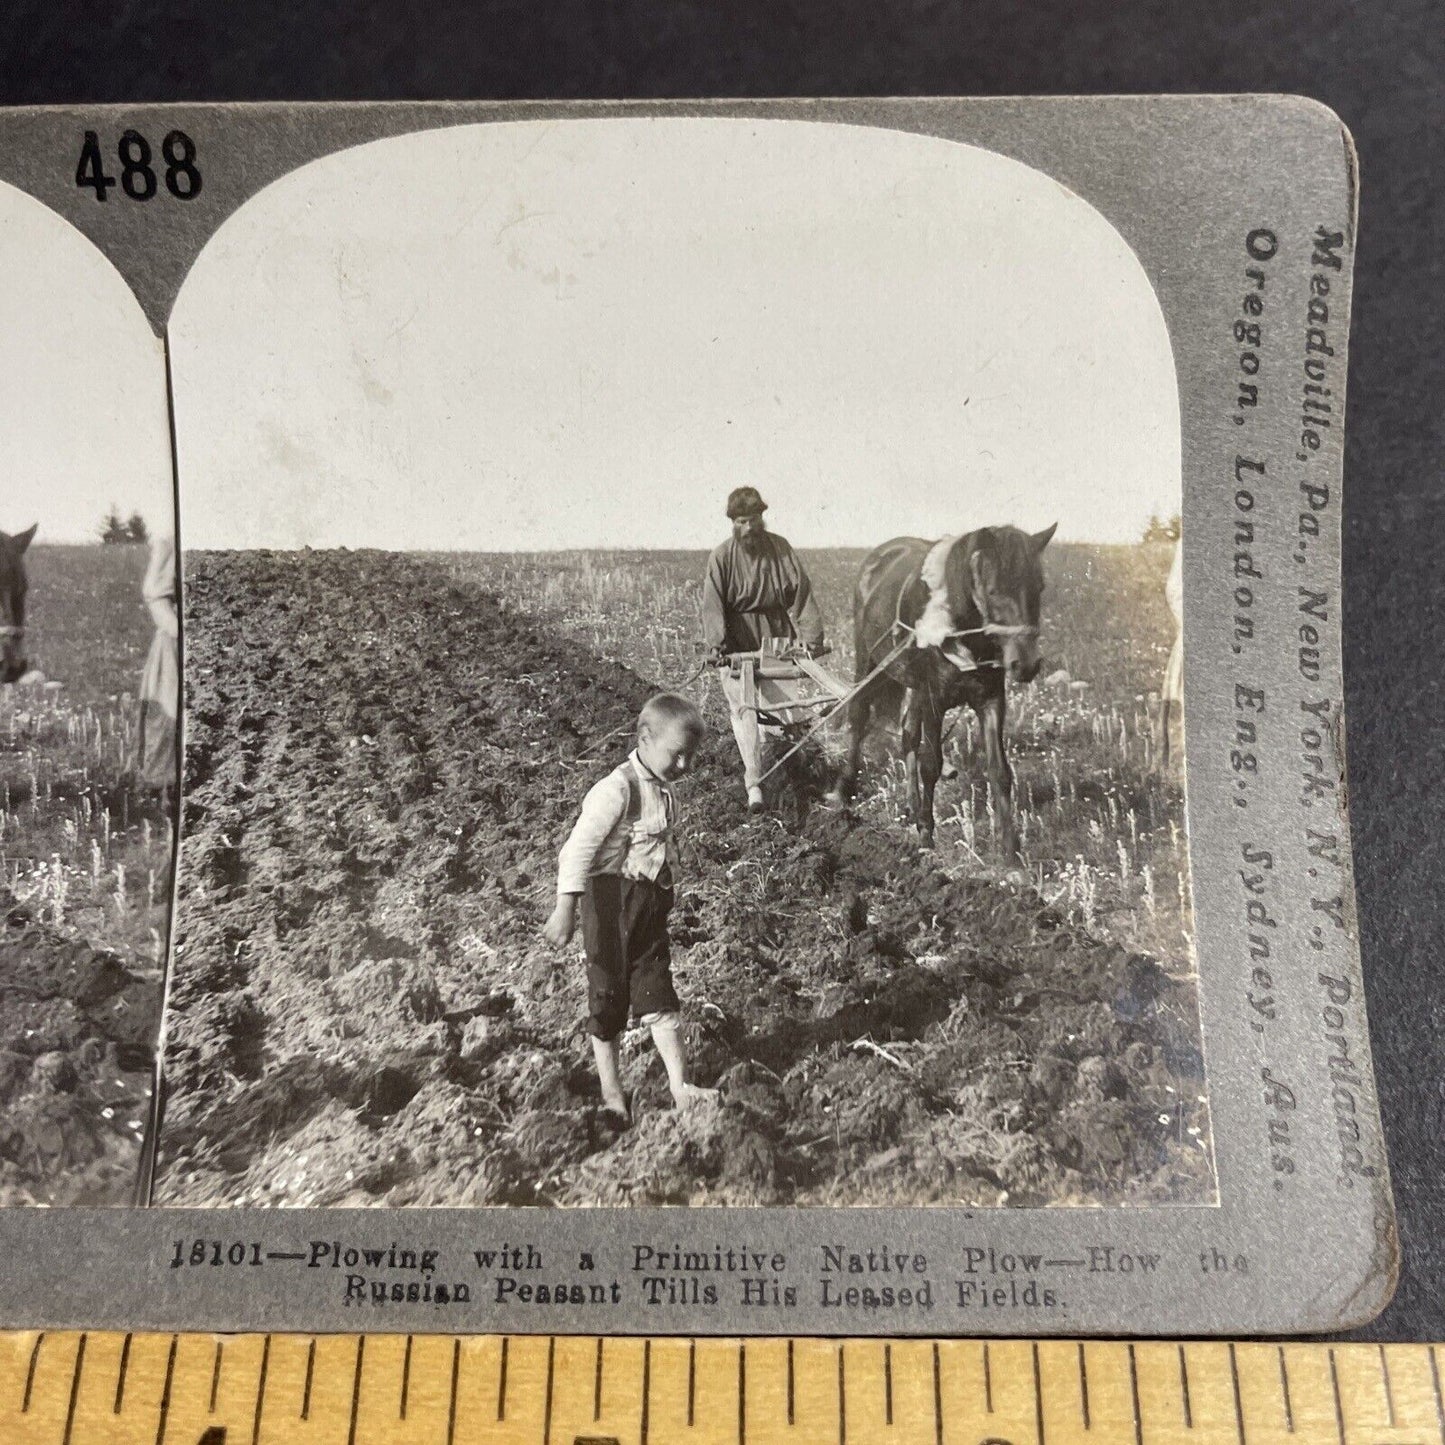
362, 985
76, 1032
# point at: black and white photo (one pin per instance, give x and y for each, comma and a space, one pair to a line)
552, 514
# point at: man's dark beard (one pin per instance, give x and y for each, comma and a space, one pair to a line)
753, 542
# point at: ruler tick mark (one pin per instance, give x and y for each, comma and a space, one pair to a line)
1339, 1408
356, 1389
790, 1382
1284, 1390
1389, 1391
1084, 1387
742, 1393
1134, 1394
937, 1398
1238, 1403
1439, 1402
1038, 1395
1184, 1390
215, 1376
306, 1390
502, 1383
452, 1402
405, 1376
888, 1383
166, 1391
692, 1381
120, 1376
547, 1405
842, 1402
597, 1383
261, 1387
74, 1391
646, 1391
30, 1373
987, 1381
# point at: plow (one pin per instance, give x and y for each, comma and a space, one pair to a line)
791, 695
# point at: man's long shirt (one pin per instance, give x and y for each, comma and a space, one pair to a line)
751, 595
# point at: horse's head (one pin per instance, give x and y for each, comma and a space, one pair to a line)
12, 604
1004, 578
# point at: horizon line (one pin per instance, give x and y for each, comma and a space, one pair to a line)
42, 541
702, 547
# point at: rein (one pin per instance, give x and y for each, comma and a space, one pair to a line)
987, 629
833, 711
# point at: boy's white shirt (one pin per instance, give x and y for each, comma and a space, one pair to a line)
604, 840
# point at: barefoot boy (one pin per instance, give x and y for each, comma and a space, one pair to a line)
617, 866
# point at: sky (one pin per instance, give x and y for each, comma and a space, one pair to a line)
584, 333
83, 420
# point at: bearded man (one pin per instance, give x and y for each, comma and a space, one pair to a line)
756, 597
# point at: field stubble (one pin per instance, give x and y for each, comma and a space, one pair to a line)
84, 888
1102, 823
363, 1011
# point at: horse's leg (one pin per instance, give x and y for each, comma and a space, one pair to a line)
1000, 776
950, 770
930, 765
860, 713
912, 732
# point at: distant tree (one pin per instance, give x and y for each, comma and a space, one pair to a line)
1158, 531
116, 530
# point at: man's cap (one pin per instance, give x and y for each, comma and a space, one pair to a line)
745, 502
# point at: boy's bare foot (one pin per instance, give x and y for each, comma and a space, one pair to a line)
691, 1094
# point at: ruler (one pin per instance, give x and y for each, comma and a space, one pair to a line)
156, 1389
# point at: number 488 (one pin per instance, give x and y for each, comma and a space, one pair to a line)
137, 175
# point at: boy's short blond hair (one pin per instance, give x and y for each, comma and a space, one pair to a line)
664, 709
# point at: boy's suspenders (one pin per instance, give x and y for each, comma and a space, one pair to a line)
634, 791
634, 807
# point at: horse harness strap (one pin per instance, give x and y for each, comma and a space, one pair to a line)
827, 717
987, 629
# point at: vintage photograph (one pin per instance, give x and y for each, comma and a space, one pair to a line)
89, 700
683, 684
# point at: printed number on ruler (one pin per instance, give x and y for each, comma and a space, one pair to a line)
180, 173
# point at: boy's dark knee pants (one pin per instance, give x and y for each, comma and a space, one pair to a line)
629, 959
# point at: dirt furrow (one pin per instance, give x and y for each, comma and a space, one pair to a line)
381, 764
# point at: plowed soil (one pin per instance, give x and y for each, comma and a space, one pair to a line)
77, 1039
381, 764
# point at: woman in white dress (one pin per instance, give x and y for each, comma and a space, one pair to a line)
156, 755
156, 763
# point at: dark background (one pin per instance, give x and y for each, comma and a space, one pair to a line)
1380, 66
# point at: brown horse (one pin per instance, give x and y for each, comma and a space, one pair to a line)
966, 610
13, 585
